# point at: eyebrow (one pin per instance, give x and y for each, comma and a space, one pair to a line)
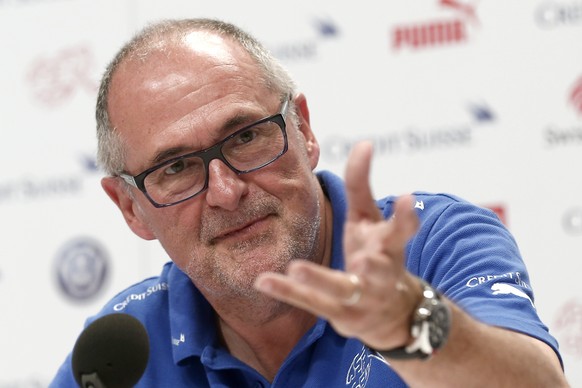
232, 124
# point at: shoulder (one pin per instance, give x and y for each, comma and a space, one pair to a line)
141, 297
432, 206
455, 233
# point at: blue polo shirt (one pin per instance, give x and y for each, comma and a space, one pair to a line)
463, 250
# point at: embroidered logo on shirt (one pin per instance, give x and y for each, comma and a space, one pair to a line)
177, 342
163, 286
359, 371
419, 205
505, 289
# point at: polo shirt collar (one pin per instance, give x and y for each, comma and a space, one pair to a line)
193, 321
334, 189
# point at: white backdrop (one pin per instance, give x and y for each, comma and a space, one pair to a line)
482, 99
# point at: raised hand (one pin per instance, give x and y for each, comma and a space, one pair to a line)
374, 299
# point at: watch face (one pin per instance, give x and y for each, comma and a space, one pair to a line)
440, 322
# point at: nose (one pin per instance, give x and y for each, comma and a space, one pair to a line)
225, 188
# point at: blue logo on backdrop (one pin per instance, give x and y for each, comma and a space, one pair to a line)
326, 28
306, 49
82, 266
89, 163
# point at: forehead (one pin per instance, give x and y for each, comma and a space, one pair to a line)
214, 47
182, 96
199, 63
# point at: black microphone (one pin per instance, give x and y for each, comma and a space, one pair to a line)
111, 352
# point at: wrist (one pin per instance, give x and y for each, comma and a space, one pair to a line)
428, 328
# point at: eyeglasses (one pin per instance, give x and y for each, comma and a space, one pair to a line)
248, 149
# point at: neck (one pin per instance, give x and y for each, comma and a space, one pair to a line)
268, 330
266, 346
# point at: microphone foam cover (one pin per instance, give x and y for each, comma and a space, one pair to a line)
116, 347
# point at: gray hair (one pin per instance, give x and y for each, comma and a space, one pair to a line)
159, 37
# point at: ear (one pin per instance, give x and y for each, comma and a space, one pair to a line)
130, 209
311, 144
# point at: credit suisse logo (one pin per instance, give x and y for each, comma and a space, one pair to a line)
557, 135
323, 30
413, 140
552, 14
449, 30
54, 78
26, 189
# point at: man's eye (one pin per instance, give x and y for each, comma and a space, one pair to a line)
247, 136
175, 168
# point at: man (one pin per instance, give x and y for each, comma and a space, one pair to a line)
284, 277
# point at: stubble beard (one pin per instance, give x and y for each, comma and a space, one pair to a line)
232, 277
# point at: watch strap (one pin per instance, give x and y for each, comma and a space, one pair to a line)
421, 347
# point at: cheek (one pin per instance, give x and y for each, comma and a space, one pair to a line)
291, 178
296, 186
296, 163
177, 230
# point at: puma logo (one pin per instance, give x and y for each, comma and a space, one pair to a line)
178, 341
504, 289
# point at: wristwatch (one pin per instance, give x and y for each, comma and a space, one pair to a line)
430, 328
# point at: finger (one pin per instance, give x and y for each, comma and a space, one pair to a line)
313, 287
337, 284
361, 203
300, 295
407, 219
404, 225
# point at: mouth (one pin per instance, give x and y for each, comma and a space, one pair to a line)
243, 231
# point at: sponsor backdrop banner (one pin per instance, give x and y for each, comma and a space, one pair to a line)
482, 99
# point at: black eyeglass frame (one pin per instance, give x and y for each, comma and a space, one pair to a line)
209, 154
